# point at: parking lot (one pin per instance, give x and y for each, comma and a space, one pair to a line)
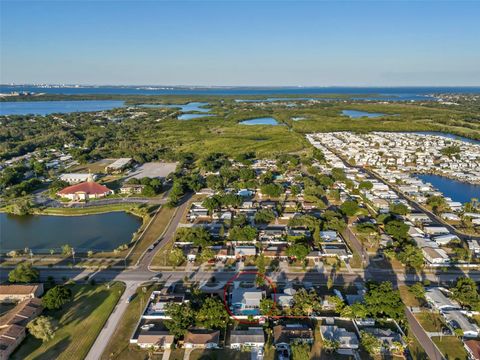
152, 170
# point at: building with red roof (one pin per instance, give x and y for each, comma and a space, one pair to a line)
473, 349
85, 191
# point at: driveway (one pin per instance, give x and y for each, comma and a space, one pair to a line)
186, 354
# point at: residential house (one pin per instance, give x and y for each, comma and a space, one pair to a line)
347, 341
155, 339
439, 301
292, 334
253, 337
16, 292
245, 301
201, 339
459, 321
435, 256
473, 349
387, 337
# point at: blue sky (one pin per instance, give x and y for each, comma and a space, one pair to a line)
274, 43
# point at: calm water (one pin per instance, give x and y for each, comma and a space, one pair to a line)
90, 232
449, 136
185, 108
454, 189
192, 116
407, 93
52, 107
260, 121
355, 114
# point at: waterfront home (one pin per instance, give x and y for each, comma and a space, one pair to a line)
85, 191
17, 292
75, 178
437, 299
245, 301
347, 341
201, 339
254, 337
291, 334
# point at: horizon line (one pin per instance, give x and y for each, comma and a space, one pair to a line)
237, 86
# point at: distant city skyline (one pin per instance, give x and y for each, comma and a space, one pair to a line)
241, 43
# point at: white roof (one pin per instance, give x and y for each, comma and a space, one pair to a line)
439, 300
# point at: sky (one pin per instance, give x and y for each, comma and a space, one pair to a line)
243, 43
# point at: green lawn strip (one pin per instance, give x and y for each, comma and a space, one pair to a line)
118, 347
80, 322
90, 210
156, 228
408, 298
451, 347
430, 321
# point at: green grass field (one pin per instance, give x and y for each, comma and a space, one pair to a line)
79, 324
451, 347
118, 347
430, 321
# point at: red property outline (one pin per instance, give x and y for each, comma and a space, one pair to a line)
274, 288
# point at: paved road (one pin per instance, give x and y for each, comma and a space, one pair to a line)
168, 235
424, 340
103, 338
133, 278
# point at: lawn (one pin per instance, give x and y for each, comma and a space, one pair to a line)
408, 298
79, 324
451, 347
430, 321
118, 347
152, 233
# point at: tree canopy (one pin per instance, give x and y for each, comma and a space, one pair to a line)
56, 297
23, 273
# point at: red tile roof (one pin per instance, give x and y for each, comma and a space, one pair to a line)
474, 347
88, 187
